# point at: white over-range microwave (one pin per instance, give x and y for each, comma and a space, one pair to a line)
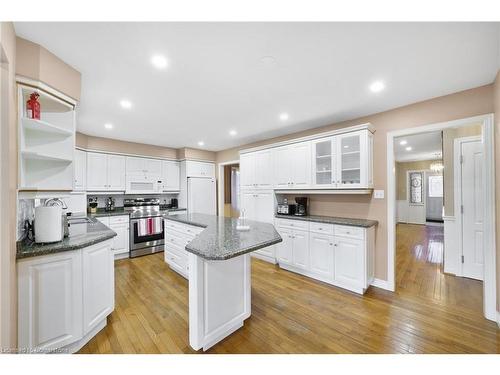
143, 183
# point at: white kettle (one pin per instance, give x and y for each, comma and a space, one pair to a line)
48, 224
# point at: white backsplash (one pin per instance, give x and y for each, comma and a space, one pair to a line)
101, 199
25, 211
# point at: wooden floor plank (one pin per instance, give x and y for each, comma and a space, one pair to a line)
430, 312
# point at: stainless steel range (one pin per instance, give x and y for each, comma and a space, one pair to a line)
146, 226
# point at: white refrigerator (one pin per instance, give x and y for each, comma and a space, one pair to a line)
201, 195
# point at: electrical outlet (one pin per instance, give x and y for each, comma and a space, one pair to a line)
378, 194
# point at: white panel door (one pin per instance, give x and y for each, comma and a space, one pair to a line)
264, 207
201, 196
284, 249
247, 171
116, 172
153, 166
98, 284
348, 262
120, 243
300, 251
171, 176
263, 169
80, 181
321, 255
473, 209
97, 171
300, 160
248, 203
283, 168
50, 301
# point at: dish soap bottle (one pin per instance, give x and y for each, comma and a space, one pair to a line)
242, 222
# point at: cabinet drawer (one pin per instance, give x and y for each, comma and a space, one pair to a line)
321, 228
183, 228
292, 224
172, 238
177, 261
118, 219
179, 234
348, 231
180, 251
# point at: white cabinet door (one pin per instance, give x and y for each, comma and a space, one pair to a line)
284, 249
300, 251
352, 160
301, 164
120, 243
323, 163
135, 165
154, 167
348, 262
207, 169
98, 284
283, 168
264, 212
199, 169
116, 172
321, 255
247, 171
50, 301
248, 203
80, 171
97, 171
171, 176
263, 169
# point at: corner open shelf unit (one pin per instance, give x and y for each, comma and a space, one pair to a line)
46, 145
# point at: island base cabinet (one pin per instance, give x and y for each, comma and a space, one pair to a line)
64, 298
219, 298
50, 302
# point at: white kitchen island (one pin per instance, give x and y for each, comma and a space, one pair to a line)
218, 269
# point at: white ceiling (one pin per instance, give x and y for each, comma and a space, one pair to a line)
424, 146
217, 80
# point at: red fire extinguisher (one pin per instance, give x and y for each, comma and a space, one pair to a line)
33, 106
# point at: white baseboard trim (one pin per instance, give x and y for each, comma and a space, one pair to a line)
382, 284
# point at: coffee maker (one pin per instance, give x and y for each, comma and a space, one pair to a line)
301, 207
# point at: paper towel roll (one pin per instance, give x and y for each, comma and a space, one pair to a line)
48, 224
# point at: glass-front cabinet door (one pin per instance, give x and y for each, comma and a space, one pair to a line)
350, 161
324, 162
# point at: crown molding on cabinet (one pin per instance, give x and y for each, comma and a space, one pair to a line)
38, 85
330, 133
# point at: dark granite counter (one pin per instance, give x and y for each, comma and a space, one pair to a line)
81, 234
365, 223
119, 211
221, 240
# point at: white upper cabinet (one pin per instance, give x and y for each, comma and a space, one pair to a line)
105, 172
292, 166
80, 165
170, 176
258, 170
136, 165
199, 169
343, 161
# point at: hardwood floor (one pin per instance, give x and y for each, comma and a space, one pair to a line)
429, 313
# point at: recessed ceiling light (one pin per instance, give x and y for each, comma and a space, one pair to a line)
408, 148
377, 86
108, 126
159, 61
127, 104
233, 132
284, 116
403, 142
201, 143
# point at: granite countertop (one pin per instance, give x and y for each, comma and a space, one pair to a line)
119, 211
365, 223
80, 235
221, 240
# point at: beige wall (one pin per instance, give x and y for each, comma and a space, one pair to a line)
113, 145
402, 168
34, 61
195, 154
449, 136
496, 103
8, 175
459, 105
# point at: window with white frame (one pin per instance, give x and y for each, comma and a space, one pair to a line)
435, 186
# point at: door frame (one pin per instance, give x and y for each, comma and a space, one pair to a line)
220, 184
487, 125
457, 192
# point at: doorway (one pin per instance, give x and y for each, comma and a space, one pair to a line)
229, 189
446, 248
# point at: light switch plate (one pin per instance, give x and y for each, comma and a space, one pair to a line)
378, 194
